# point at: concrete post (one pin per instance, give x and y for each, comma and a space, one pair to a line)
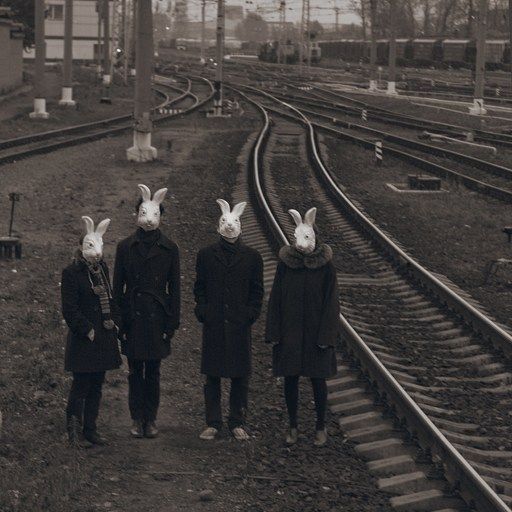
40, 57
373, 49
217, 98
392, 49
133, 70
142, 151
105, 98
126, 41
202, 58
478, 101
67, 68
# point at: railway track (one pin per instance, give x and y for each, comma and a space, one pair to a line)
478, 175
420, 364
38, 143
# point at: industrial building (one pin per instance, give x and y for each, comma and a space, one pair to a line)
11, 52
85, 30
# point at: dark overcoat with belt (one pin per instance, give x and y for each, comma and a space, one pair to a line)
229, 296
303, 314
147, 290
82, 312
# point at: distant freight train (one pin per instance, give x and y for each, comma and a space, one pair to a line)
289, 51
456, 53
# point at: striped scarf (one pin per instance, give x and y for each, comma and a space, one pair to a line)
101, 287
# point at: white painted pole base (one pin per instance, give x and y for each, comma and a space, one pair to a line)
373, 86
142, 150
106, 79
478, 108
133, 72
391, 88
67, 97
39, 109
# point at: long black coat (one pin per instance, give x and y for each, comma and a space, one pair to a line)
147, 290
229, 297
82, 311
303, 314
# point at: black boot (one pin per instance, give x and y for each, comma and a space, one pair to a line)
95, 438
75, 435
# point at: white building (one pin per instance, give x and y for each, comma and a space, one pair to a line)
85, 30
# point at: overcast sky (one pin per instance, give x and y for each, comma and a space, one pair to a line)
321, 10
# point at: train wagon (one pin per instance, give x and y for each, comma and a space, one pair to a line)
459, 52
497, 53
427, 51
382, 51
404, 49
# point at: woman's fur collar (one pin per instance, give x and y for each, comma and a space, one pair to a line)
292, 258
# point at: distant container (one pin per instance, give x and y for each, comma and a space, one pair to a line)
11, 52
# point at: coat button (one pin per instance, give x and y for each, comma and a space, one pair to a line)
137, 313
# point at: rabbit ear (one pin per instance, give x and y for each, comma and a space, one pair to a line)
239, 208
145, 192
296, 217
159, 195
310, 217
102, 227
89, 224
224, 206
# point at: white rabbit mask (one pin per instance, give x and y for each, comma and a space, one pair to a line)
149, 209
305, 238
230, 226
92, 244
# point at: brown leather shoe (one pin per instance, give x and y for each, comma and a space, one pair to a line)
137, 429
151, 431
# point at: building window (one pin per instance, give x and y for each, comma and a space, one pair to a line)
55, 12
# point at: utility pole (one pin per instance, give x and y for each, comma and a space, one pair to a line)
308, 34
142, 150
478, 101
105, 98
67, 71
282, 27
99, 10
373, 49
392, 48
337, 14
40, 58
301, 39
202, 59
126, 40
133, 69
217, 98
510, 37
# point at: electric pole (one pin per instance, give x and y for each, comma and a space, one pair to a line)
67, 71
337, 13
308, 34
133, 70
392, 48
40, 57
203, 29
510, 37
105, 98
142, 150
217, 98
373, 49
126, 40
301, 39
282, 14
99, 9
478, 101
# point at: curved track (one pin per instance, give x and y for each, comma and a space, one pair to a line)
420, 344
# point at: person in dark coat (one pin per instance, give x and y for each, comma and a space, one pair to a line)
147, 290
229, 294
303, 320
92, 345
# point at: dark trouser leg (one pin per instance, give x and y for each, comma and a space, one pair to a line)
136, 389
238, 401
291, 395
151, 389
77, 395
92, 401
212, 398
320, 394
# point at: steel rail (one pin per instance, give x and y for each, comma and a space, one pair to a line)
471, 486
89, 137
38, 137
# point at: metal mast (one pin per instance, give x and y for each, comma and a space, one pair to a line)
373, 50
203, 28
217, 98
67, 66
105, 98
40, 58
478, 101
392, 48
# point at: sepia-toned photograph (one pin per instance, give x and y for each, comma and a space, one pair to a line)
255, 255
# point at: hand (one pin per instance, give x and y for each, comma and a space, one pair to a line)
90, 335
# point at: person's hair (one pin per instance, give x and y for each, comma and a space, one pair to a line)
140, 201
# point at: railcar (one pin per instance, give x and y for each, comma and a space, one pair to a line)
458, 52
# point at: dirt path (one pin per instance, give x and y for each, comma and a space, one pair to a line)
168, 473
